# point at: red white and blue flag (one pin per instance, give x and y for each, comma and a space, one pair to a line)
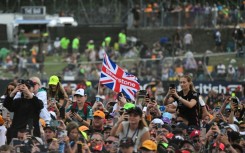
115, 78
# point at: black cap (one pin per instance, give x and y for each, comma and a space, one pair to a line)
49, 127
29, 83
107, 127
182, 126
135, 110
126, 142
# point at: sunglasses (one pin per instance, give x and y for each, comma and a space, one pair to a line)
108, 141
242, 128
196, 140
10, 89
96, 140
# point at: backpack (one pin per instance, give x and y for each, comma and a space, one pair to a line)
85, 107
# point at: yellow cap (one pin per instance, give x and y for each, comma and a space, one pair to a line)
53, 80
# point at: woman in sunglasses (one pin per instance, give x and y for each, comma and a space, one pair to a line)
132, 125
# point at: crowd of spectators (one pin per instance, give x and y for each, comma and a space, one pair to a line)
59, 118
87, 63
188, 14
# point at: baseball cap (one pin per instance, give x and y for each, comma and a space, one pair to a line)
135, 110
157, 121
149, 145
126, 142
107, 127
29, 83
83, 128
99, 113
195, 133
1, 120
166, 120
234, 127
53, 80
39, 140
42, 122
49, 127
221, 146
182, 126
80, 92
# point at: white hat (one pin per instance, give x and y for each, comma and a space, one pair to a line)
52, 113
234, 127
157, 121
39, 140
80, 92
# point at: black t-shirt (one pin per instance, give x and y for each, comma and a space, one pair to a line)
191, 114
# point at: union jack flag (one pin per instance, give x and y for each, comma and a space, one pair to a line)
115, 78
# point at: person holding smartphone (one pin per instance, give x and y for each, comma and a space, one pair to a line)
187, 100
26, 108
121, 101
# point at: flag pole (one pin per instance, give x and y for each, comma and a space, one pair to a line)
98, 91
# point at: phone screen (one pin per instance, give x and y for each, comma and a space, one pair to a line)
4, 113
203, 132
54, 123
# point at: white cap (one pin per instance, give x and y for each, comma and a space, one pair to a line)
234, 127
53, 114
157, 121
80, 92
39, 140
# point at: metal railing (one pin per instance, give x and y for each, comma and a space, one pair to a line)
145, 69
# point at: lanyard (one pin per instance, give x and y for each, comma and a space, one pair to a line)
136, 131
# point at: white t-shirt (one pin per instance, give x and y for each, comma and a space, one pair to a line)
3, 131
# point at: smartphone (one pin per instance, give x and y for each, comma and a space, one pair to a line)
234, 100
142, 93
4, 113
73, 110
53, 100
153, 99
62, 134
71, 98
16, 142
21, 81
97, 98
126, 117
54, 123
203, 132
79, 148
147, 95
172, 86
